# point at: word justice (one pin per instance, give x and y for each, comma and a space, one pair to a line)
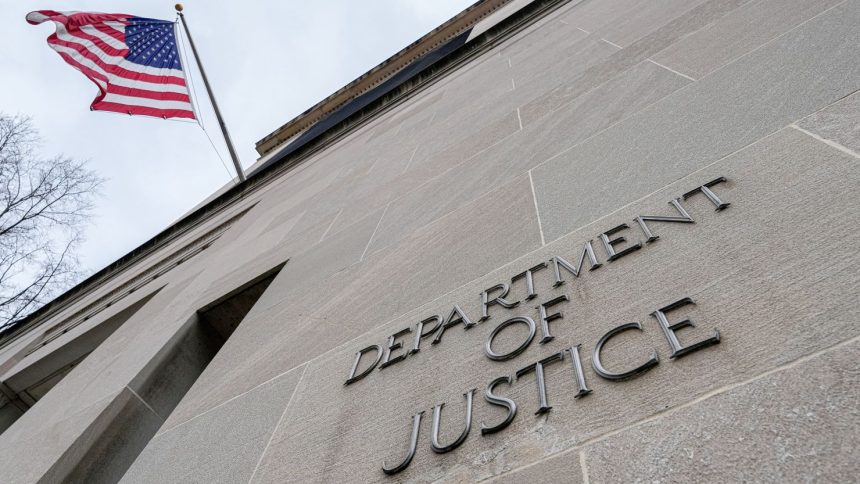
580, 384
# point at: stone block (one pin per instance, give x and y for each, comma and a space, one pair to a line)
644, 18
804, 70
332, 254
281, 225
475, 96
512, 157
409, 117
547, 34
600, 108
449, 191
443, 155
798, 424
221, 445
74, 447
111, 450
623, 59
296, 193
541, 72
565, 467
591, 16
839, 122
739, 32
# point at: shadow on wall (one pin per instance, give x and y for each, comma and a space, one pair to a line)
108, 448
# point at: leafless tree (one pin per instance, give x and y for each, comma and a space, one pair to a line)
44, 205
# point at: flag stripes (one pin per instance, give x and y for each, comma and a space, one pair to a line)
134, 61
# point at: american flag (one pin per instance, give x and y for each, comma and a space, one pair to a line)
133, 60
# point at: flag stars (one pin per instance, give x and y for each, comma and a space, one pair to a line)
153, 43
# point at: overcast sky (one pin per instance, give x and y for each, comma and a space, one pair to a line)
267, 64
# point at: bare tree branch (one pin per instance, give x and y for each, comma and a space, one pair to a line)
44, 205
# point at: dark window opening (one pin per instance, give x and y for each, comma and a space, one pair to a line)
225, 314
147, 402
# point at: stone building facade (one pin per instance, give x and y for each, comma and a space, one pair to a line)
575, 241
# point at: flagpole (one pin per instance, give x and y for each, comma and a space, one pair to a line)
221, 123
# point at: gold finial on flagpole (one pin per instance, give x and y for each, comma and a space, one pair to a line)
179, 7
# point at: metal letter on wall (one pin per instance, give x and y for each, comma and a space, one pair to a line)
352, 376
413, 444
437, 416
597, 364
679, 350
488, 347
494, 399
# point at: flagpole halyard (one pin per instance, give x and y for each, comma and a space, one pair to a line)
221, 123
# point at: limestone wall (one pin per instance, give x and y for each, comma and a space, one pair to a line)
600, 113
